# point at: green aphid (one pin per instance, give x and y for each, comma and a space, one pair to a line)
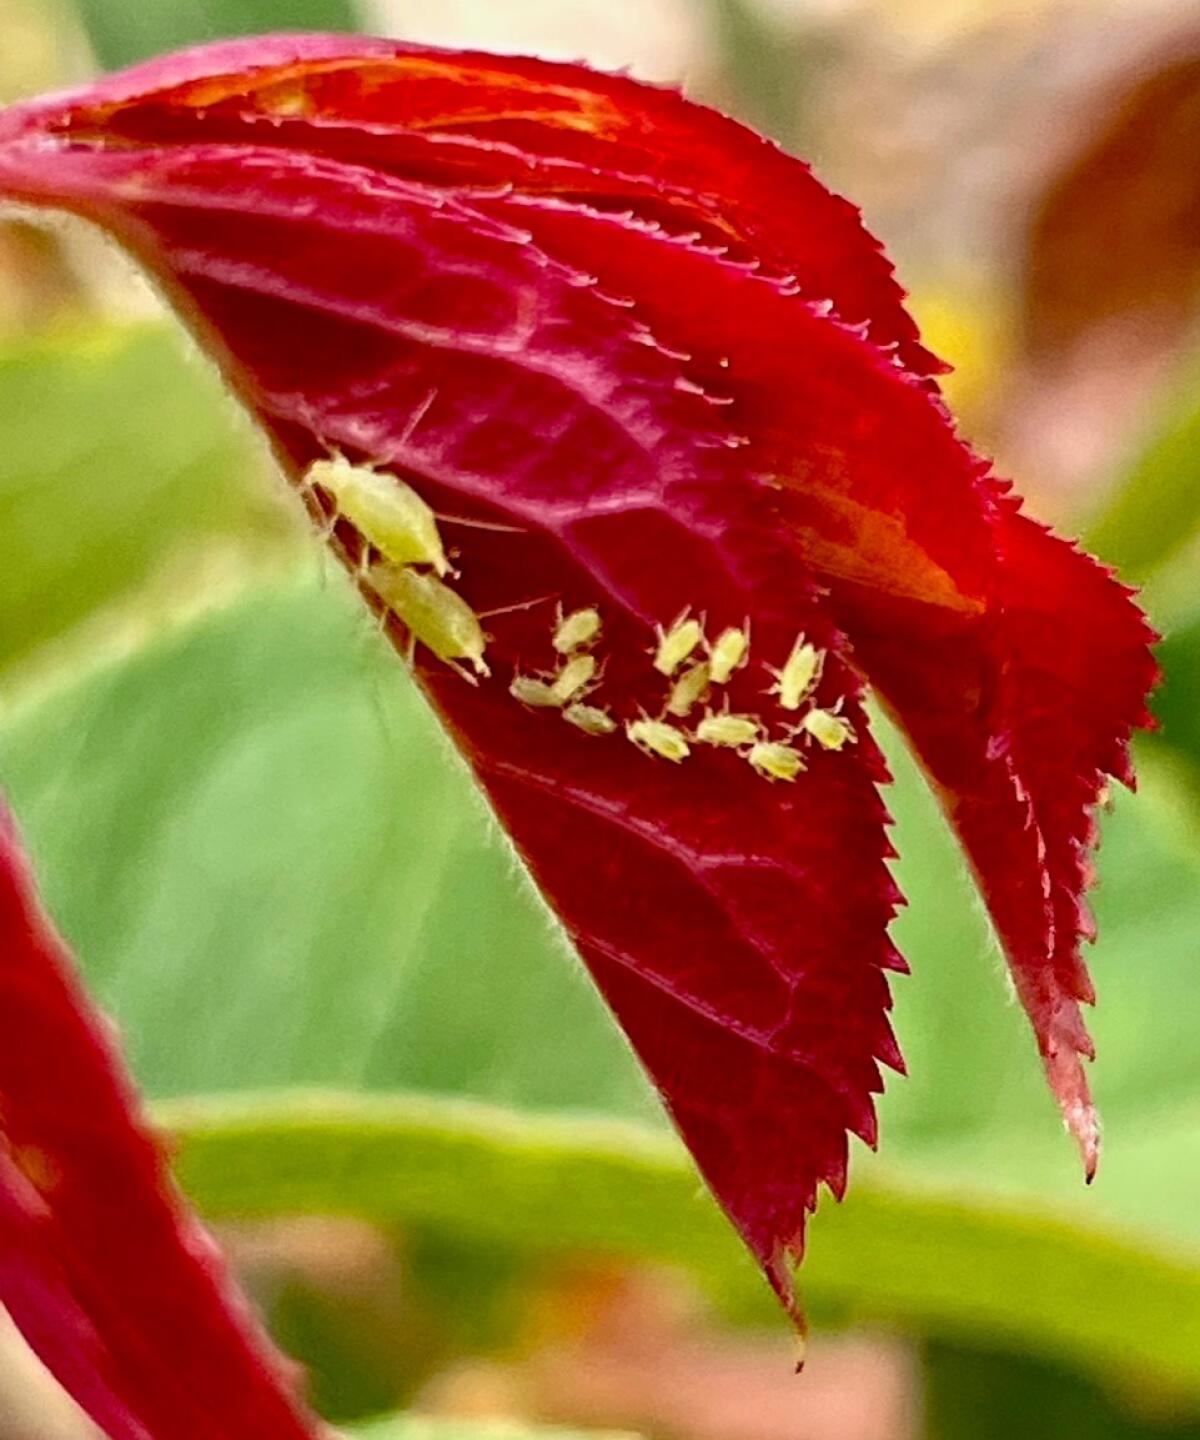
655, 737
798, 678
829, 730
387, 512
727, 653
575, 676
590, 719
690, 687
575, 630
439, 618
733, 732
775, 761
676, 644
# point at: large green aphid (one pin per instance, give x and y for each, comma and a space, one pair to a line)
387, 512
438, 617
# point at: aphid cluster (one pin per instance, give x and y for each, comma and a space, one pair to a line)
402, 531
400, 527
693, 667
575, 677
692, 682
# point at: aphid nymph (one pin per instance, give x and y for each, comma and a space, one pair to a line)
829, 730
537, 694
655, 737
574, 677
733, 732
691, 686
728, 652
387, 512
590, 719
676, 644
775, 761
437, 616
575, 630
799, 676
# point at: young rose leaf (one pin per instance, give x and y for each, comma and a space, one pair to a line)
110, 1279
659, 390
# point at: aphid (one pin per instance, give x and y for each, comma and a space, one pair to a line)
575, 630
575, 675
775, 761
656, 737
390, 514
676, 644
830, 731
728, 653
800, 673
532, 692
731, 731
590, 719
691, 686
437, 616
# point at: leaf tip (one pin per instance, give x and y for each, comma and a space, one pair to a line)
1083, 1122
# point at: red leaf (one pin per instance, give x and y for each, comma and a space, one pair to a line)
106, 1273
638, 359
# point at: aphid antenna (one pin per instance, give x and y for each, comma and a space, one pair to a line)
422, 408
469, 522
518, 605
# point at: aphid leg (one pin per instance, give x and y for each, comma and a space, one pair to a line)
327, 524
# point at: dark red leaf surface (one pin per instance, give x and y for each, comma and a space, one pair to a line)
637, 359
113, 1284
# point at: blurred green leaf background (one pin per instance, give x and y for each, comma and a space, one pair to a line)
345, 1000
